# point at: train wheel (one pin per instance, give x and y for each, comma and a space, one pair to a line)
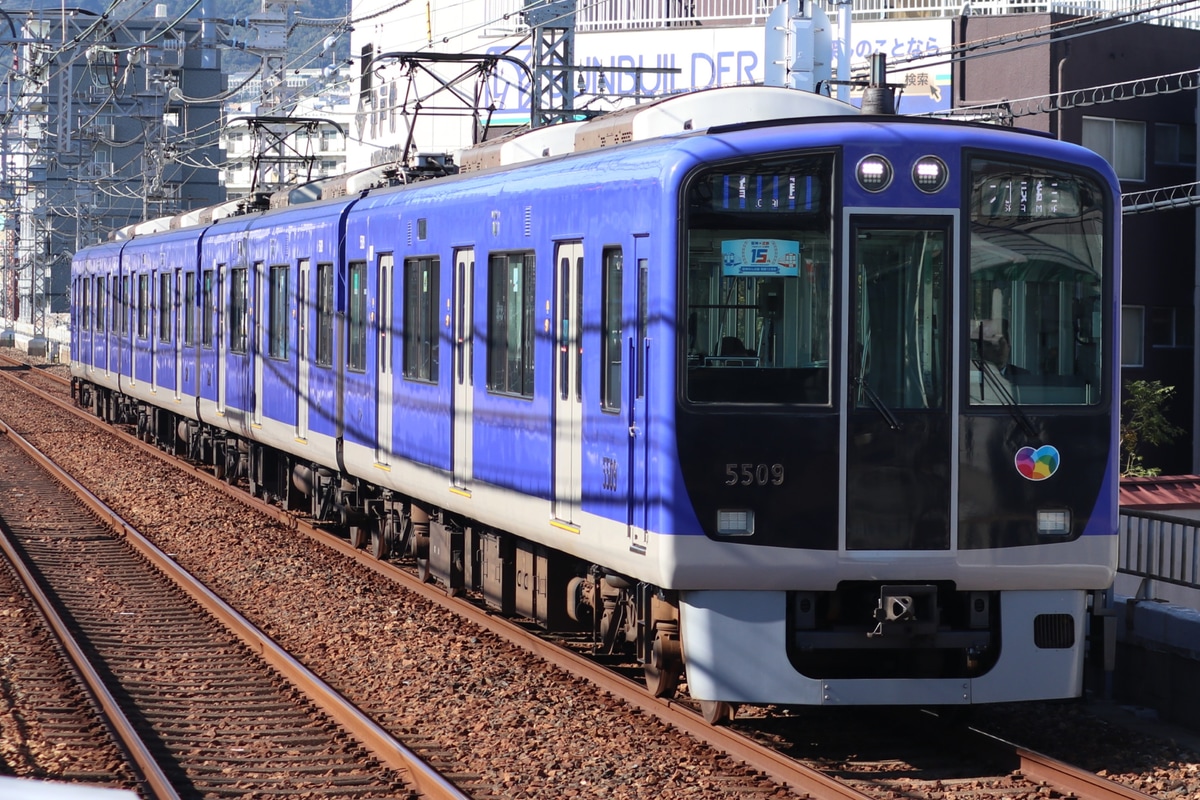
358, 536
382, 532
716, 712
421, 552
665, 665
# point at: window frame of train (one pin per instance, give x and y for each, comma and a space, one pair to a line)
1048, 308
239, 284
612, 348
83, 292
757, 281
510, 350
278, 318
208, 310
100, 306
165, 306
189, 308
356, 317
323, 357
421, 340
143, 306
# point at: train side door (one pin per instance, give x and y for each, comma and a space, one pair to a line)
464, 362
897, 452
639, 427
302, 311
222, 342
383, 378
176, 331
568, 389
257, 330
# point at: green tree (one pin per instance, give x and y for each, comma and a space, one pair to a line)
1145, 422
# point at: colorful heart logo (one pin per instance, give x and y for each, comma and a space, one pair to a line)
1039, 464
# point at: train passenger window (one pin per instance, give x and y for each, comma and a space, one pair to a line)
189, 308
324, 354
85, 294
126, 295
166, 306
207, 310
757, 288
101, 300
356, 318
278, 315
421, 337
238, 285
143, 309
611, 349
511, 329
1035, 288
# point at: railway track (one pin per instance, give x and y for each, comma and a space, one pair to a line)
1019, 771
199, 713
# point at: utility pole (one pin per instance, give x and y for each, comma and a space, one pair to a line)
552, 26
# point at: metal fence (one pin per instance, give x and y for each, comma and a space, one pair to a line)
1160, 547
624, 15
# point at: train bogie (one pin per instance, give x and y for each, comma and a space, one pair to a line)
808, 411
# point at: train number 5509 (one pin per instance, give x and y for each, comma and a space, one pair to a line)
751, 474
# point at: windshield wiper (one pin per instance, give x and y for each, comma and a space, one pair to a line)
878, 403
988, 376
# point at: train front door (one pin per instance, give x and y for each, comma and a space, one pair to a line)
899, 427
568, 380
464, 383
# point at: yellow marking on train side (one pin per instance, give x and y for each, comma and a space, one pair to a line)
461, 492
565, 526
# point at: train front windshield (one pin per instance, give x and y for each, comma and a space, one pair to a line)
758, 290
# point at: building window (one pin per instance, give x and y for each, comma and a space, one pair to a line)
237, 309
165, 306
1133, 336
1121, 142
356, 318
277, 321
421, 319
1171, 326
511, 331
611, 349
324, 315
1175, 144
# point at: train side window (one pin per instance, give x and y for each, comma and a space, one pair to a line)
610, 342
324, 354
511, 329
238, 283
356, 321
421, 337
207, 308
101, 299
143, 308
124, 306
189, 308
165, 306
277, 319
85, 312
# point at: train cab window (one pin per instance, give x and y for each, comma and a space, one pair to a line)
758, 282
511, 330
324, 354
143, 307
278, 315
238, 285
207, 310
356, 318
189, 308
1036, 318
612, 350
166, 306
421, 337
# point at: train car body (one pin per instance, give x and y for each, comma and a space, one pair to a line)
821, 409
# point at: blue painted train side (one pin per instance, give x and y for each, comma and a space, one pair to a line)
524, 378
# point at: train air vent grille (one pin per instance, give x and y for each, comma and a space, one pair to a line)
1054, 631
528, 221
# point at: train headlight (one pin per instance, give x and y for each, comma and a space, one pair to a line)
874, 173
930, 174
735, 522
1053, 522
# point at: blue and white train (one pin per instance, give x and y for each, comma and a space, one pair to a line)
814, 408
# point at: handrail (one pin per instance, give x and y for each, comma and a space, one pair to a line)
1159, 547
